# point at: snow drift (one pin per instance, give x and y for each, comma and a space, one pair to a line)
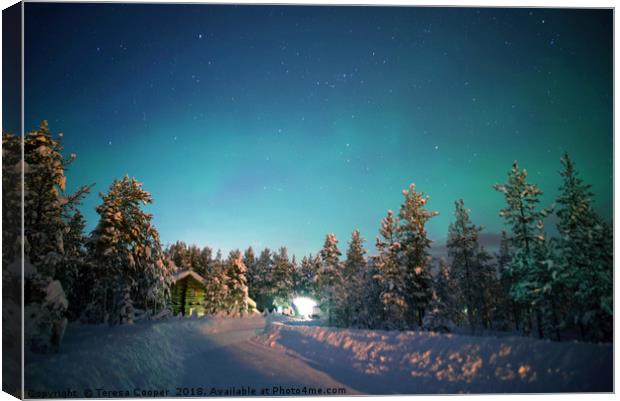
410, 362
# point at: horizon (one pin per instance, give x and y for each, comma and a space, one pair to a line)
271, 126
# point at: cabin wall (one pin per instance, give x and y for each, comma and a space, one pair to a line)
188, 296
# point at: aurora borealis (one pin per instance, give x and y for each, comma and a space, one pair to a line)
274, 125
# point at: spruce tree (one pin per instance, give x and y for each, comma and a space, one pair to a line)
463, 248
329, 278
75, 274
371, 314
50, 247
443, 312
509, 309
523, 216
389, 275
205, 259
193, 255
216, 283
414, 257
488, 288
260, 290
350, 300
586, 254
435, 318
12, 168
250, 262
126, 254
282, 276
178, 253
306, 285
237, 302
448, 294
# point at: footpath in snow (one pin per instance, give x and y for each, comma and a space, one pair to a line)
222, 353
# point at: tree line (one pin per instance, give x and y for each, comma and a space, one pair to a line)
551, 287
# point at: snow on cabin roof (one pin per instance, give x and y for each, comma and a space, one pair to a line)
182, 274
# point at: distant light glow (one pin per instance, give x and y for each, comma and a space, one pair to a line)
304, 305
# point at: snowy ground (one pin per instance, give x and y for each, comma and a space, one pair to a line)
262, 353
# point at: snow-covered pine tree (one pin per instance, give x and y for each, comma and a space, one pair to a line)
12, 168
413, 256
305, 285
295, 276
178, 253
329, 277
389, 275
205, 258
603, 317
508, 309
193, 255
447, 292
237, 302
525, 219
251, 263
12, 280
488, 285
463, 248
586, 256
552, 294
216, 291
282, 276
44, 181
249, 259
126, 309
371, 314
436, 318
261, 291
153, 286
75, 276
350, 301
126, 251
46, 210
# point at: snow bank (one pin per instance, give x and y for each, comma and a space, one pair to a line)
381, 362
147, 354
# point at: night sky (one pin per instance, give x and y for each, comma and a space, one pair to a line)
274, 125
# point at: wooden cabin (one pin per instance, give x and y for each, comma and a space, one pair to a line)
188, 293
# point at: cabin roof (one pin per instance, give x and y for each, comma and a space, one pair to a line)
185, 273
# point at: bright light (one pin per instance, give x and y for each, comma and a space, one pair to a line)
304, 305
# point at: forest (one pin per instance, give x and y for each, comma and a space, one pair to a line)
557, 288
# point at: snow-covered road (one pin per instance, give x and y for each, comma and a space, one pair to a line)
186, 357
196, 357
